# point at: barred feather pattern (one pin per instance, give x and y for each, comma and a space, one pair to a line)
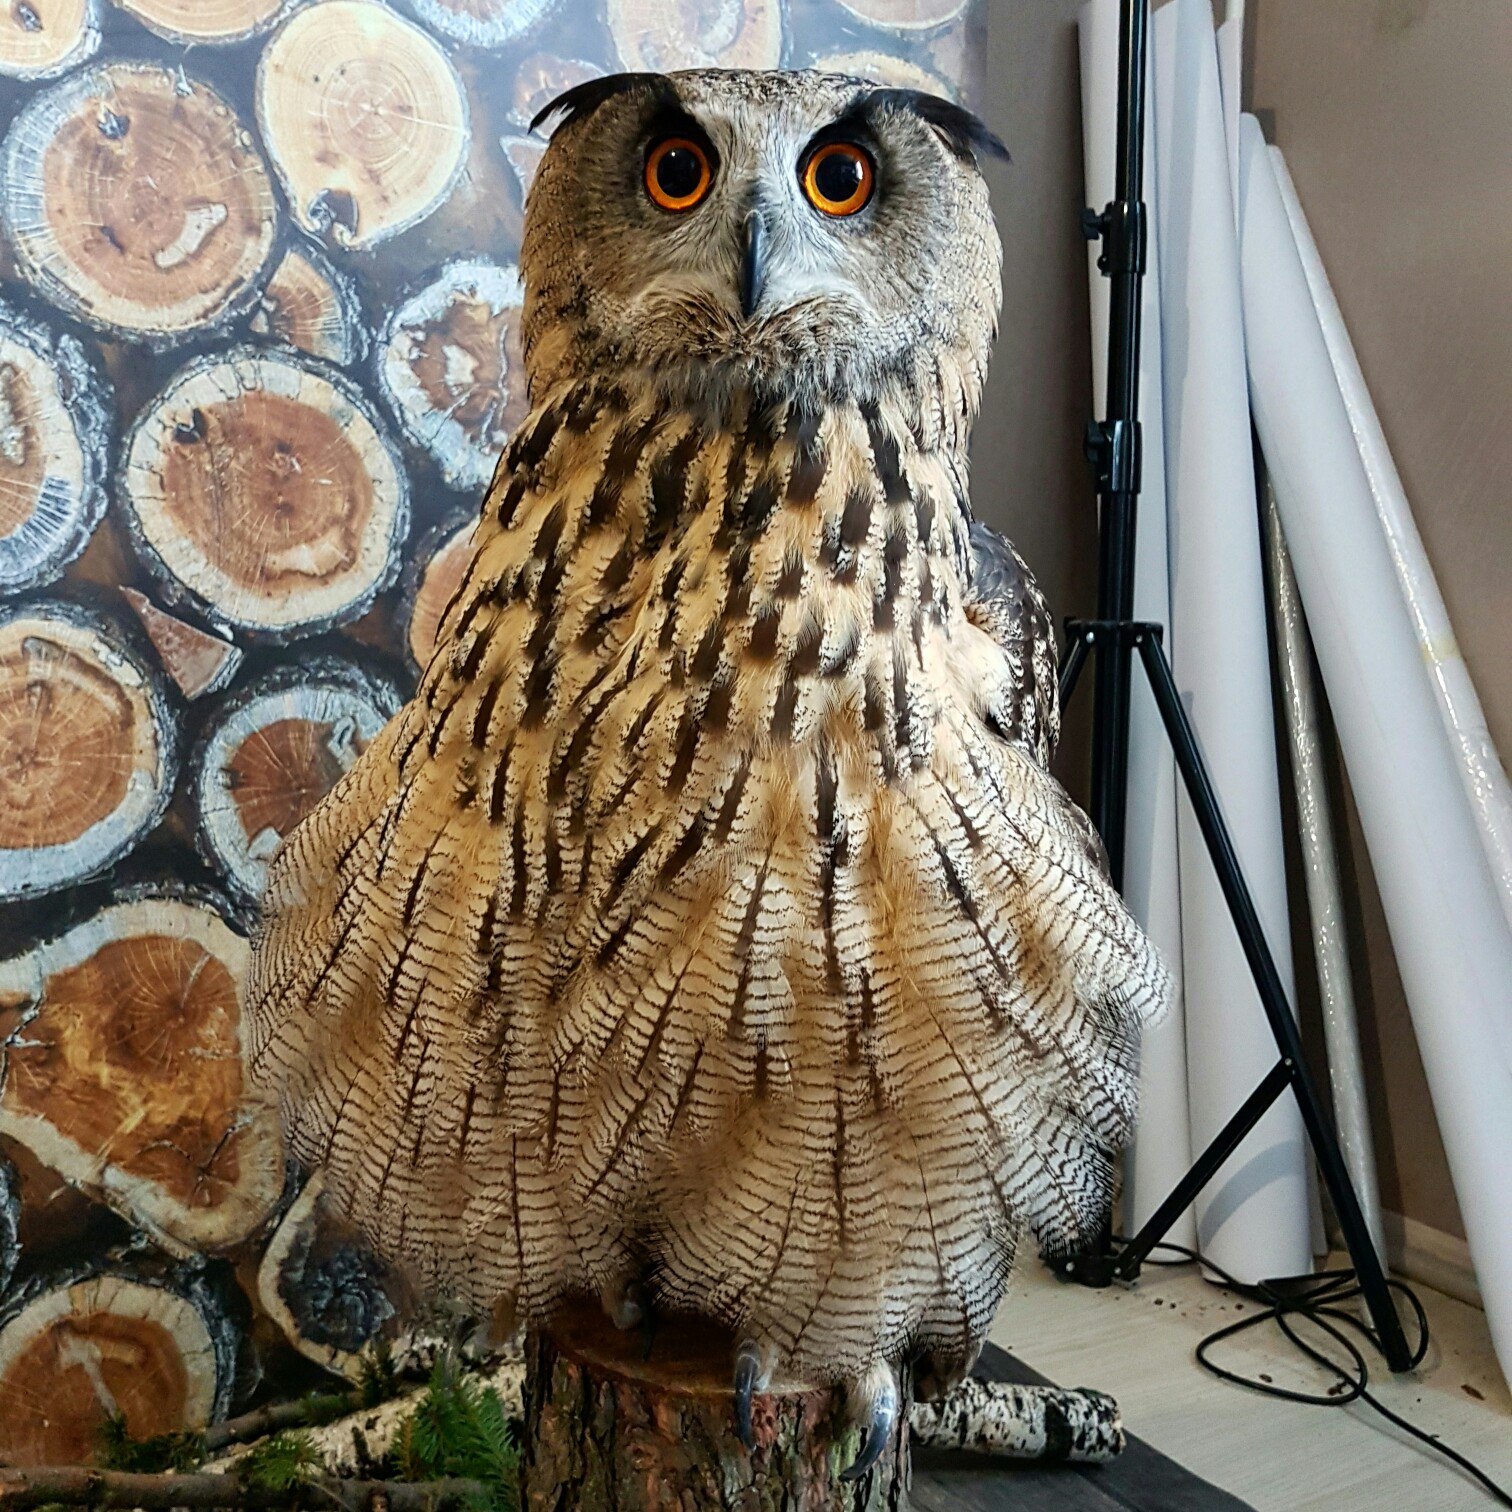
705, 919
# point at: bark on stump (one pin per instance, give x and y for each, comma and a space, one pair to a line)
610, 1427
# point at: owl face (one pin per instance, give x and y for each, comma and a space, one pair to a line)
794, 230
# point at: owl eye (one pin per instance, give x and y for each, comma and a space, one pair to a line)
839, 178
678, 174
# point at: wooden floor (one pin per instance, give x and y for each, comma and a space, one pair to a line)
1277, 1456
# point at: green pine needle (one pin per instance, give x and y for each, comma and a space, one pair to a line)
459, 1429
280, 1463
378, 1381
116, 1449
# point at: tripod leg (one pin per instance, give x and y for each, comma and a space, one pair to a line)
1073, 661
1367, 1263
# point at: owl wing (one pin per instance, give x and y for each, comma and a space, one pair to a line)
1005, 601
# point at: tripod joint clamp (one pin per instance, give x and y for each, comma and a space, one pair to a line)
1098, 632
1113, 448
1124, 230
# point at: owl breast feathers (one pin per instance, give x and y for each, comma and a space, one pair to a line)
708, 927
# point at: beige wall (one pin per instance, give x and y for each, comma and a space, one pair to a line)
1396, 118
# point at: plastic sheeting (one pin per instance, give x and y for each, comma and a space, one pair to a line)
1451, 936
1162, 1149
1253, 1218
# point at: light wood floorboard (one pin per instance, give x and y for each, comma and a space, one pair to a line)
1282, 1457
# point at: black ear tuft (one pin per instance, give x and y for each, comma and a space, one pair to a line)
583, 99
967, 135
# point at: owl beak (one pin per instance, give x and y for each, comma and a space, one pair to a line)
753, 264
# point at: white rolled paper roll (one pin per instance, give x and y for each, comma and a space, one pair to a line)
1253, 1219
1481, 768
1451, 937
1162, 1148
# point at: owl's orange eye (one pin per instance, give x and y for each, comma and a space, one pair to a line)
839, 178
678, 174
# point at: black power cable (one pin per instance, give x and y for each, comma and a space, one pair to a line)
1318, 1301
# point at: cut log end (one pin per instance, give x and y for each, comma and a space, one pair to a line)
214, 21
541, 78
604, 1420
481, 23
54, 441
124, 1069
40, 39
452, 368
137, 202
664, 35
433, 580
157, 1352
197, 661
88, 746
309, 305
272, 751
887, 69
365, 119
261, 486
329, 1294
905, 15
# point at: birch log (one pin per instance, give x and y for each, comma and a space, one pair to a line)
261, 488
331, 1296
39, 39
88, 745
662, 35
188, 22
198, 661
136, 201
431, 580
611, 1428
156, 1348
309, 305
451, 367
122, 1069
10, 1223
272, 750
364, 118
481, 23
54, 441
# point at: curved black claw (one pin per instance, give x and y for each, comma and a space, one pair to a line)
884, 1414
747, 1368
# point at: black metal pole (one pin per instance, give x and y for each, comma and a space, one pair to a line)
1114, 444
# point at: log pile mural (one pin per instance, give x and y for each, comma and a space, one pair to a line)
259, 350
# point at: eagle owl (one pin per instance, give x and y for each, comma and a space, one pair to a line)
707, 933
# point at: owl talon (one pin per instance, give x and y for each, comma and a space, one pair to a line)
747, 1368
879, 1424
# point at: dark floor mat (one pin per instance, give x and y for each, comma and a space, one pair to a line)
1141, 1479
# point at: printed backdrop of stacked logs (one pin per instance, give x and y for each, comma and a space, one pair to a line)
258, 353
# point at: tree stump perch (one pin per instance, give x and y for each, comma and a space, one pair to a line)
611, 1427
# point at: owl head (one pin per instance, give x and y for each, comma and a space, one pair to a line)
793, 232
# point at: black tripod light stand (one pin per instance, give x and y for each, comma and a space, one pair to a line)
1113, 639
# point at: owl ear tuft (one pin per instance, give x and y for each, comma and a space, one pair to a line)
967, 135
579, 102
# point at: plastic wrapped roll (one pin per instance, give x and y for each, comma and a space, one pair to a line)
1452, 941
1253, 1217
1162, 1148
